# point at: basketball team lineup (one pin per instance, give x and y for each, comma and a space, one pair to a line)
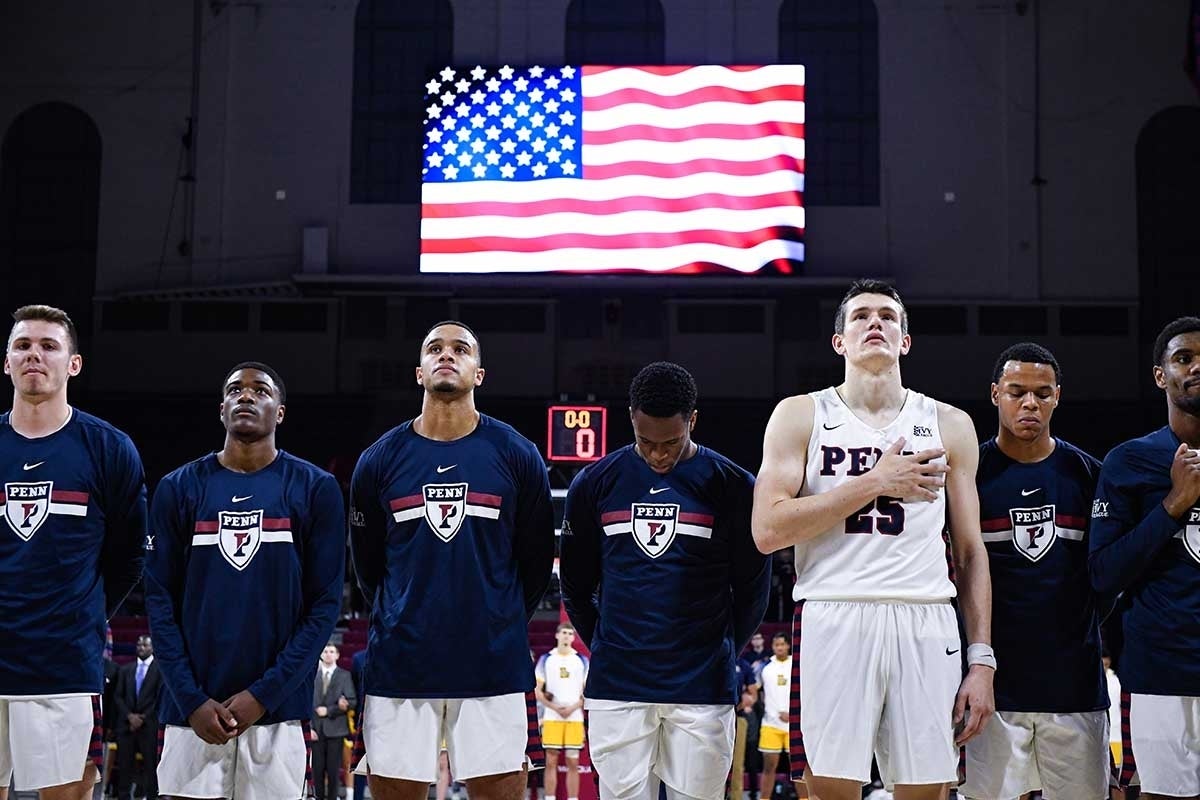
949, 595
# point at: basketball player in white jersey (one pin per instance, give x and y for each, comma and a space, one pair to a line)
860, 479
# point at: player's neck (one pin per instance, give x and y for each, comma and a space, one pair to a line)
34, 419
782, 659
240, 456
873, 393
445, 421
564, 651
1186, 426
1024, 452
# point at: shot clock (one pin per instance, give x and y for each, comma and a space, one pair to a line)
577, 433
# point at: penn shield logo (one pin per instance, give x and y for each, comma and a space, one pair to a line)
1191, 533
1034, 532
445, 508
655, 526
26, 506
239, 535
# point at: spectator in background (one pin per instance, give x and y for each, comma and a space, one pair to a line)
757, 655
108, 705
561, 675
136, 699
747, 693
333, 697
358, 668
775, 682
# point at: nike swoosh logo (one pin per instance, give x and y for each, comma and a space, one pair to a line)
829, 427
1031, 491
663, 489
237, 499
950, 652
440, 470
33, 466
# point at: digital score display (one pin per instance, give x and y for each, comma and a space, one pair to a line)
576, 433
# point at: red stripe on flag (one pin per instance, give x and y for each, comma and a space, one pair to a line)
709, 94
665, 71
599, 172
620, 205
648, 240
713, 130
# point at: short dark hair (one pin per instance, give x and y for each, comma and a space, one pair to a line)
1172, 329
564, 626
48, 314
465, 327
782, 635
663, 389
261, 367
1027, 352
868, 286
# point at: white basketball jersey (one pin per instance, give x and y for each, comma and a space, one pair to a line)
890, 549
776, 682
563, 677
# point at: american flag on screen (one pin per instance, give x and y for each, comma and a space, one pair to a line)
611, 169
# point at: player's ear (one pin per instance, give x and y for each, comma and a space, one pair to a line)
995, 395
75, 365
420, 382
1057, 394
279, 413
905, 344
1160, 377
7, 368
839, 344
479, 373
692, 420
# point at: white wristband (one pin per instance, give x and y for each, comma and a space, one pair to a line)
982, 654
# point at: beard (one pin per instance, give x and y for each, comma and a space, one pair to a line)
1188, 404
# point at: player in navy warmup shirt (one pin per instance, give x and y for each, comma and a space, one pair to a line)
1050, 731
70, 550
1145, 543
451, 530
243, 587
661, 530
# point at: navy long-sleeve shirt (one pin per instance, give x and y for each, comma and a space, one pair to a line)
451, 538
661, 577
70, 550
244, 583
1137, 548
1045, 616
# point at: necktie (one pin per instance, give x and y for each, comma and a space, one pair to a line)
141, 676
324, 682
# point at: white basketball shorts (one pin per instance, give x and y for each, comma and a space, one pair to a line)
267, 762
1066, 756
875, 677
48, 741
635, 745
483, 735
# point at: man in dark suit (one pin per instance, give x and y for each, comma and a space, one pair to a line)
358, 666
333, 696
137, 720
